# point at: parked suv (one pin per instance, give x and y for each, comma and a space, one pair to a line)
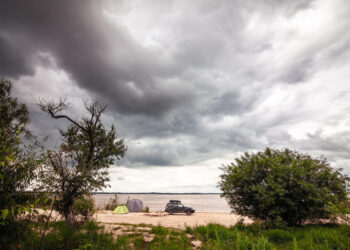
175, 206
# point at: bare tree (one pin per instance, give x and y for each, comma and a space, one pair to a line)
80, 165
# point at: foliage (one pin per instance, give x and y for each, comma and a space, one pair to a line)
80, 165
340, 211
112, 203
282, 187
20, 154
84, 207
20, 228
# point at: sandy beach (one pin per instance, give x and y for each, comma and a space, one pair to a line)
179, 221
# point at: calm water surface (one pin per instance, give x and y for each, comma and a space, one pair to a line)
157, 202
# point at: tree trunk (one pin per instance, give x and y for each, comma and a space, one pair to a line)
70, 217
68, 214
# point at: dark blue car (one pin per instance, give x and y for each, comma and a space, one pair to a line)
175, 206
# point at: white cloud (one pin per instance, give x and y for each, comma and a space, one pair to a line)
201, 177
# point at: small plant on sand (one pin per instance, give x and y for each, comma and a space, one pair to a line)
84, 207
112, 203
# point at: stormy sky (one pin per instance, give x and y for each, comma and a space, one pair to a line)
190, 85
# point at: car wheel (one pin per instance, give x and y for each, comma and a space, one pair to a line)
188, 212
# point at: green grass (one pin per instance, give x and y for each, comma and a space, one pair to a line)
159, 230
213, 236
255, 237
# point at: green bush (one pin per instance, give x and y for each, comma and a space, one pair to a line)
85, 207
282, 187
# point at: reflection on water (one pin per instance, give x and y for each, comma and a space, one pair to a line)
157, 202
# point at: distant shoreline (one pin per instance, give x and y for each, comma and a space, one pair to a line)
40, 192
152, 193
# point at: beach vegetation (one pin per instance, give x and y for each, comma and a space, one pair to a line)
284, 187
113, 203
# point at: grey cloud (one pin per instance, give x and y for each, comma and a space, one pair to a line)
298, 72
335, 147
151, 155
233, 103
336, 143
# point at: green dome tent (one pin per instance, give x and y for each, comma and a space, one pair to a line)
122, 209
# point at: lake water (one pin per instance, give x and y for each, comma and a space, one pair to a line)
157, 202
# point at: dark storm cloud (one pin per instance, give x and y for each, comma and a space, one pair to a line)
15, 59
100, 56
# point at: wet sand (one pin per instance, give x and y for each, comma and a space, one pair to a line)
179, 221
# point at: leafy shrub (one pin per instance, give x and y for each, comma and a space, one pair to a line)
85, 207
282, 187
112, 203
146, 209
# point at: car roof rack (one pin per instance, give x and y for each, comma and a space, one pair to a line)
175, 201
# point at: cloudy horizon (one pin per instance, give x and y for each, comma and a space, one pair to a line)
190, 85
